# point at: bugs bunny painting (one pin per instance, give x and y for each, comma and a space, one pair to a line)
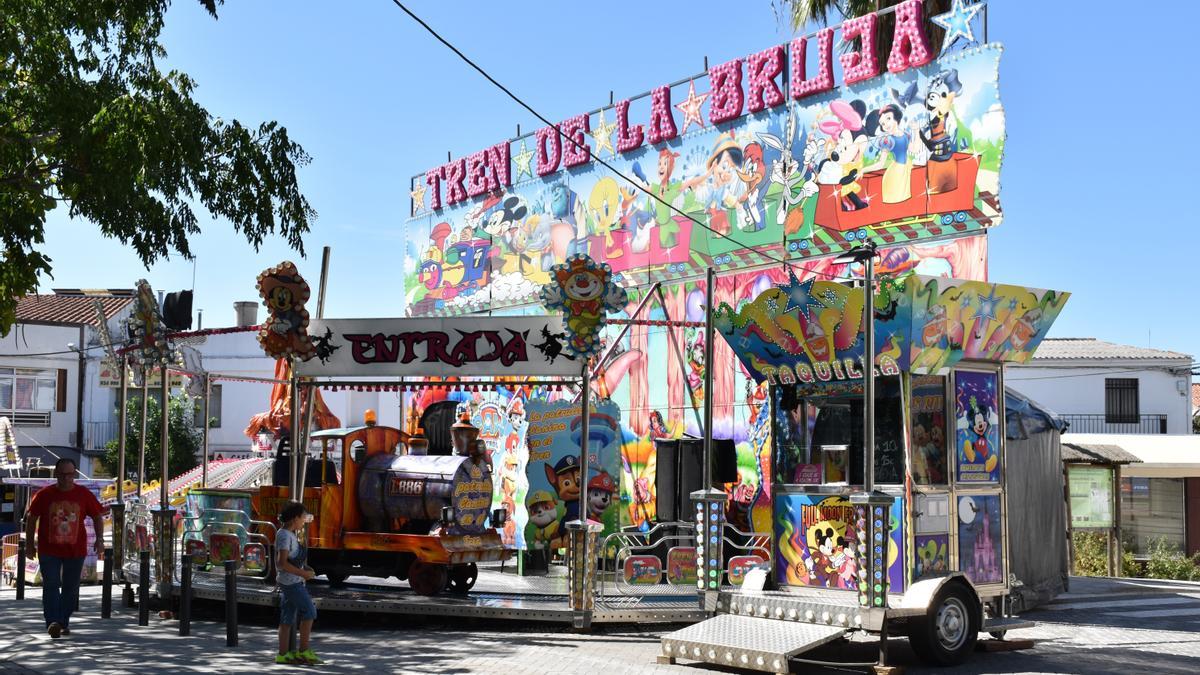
795, 178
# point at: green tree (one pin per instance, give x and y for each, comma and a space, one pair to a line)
183, 438
90, 123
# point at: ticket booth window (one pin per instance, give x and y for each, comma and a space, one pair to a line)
821, 437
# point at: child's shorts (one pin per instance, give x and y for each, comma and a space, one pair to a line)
294, 600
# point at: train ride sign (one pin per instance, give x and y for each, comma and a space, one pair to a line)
431, 347
801, 150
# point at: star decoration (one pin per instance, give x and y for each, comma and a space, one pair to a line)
799, 296
966, 300
1012, 305
602, 134
772, 306
418, 198
690, 107
957, 22
522, 160
987, 306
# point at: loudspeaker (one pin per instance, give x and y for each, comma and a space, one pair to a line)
177, 311
724, 461
665, 479
691, 472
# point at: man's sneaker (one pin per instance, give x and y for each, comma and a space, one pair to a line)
55, 629
288, 659
309, 657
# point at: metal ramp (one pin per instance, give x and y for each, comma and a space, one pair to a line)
748, 642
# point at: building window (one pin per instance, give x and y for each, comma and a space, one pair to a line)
1152, 509
215, 402
1121, 400
30, 390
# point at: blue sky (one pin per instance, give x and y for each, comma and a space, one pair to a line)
1097, 178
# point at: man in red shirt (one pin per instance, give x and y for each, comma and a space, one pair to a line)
56, 514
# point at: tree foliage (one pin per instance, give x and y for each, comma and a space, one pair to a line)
183, 438
89, 122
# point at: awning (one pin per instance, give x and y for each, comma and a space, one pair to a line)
1158, 455
810, 332
1078, 453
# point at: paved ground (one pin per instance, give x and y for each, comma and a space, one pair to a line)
1102, 626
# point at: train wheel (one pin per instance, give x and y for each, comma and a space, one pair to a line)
427, 578
336, 579
462, 578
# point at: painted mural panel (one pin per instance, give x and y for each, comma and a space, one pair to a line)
817, 539
809, 332
899, 158
980, 545
928, 433
932, 555
554, 474
977, 427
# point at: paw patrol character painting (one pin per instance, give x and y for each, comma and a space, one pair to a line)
285, 332
585, 292
600, 493
543, 530
564, 477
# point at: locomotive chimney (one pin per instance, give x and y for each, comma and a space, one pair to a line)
418, 444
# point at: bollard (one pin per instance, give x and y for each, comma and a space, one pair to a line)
185, 596
21, 569
144, 588
127, 595
106, 592
231, 632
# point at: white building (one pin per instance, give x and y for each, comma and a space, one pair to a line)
1102, 387
1137, 399
47, 364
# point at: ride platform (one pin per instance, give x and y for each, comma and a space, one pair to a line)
496, 595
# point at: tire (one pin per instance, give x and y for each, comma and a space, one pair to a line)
336, 579
946, 635
427, 578
461, 578
998, 634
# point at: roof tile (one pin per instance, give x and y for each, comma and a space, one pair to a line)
1091, 348
74, 310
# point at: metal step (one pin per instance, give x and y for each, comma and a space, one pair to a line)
827, 609
1005, 623
747, 642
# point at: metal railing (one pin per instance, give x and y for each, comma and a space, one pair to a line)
1099, 424
96, 435
23, 418
229, 534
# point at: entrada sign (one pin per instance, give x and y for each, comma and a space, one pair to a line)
491, 346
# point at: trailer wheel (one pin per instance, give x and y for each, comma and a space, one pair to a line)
426, 578
946, 635
462, 578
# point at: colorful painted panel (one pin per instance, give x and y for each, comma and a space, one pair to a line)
502, 427
642, 570
817, 542
900, 158
932, 555
977, 427
980, 539
809, 332
681, 566
928, 433
554, 474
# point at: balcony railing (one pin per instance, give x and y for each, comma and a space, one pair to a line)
96, 435
1099, 424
